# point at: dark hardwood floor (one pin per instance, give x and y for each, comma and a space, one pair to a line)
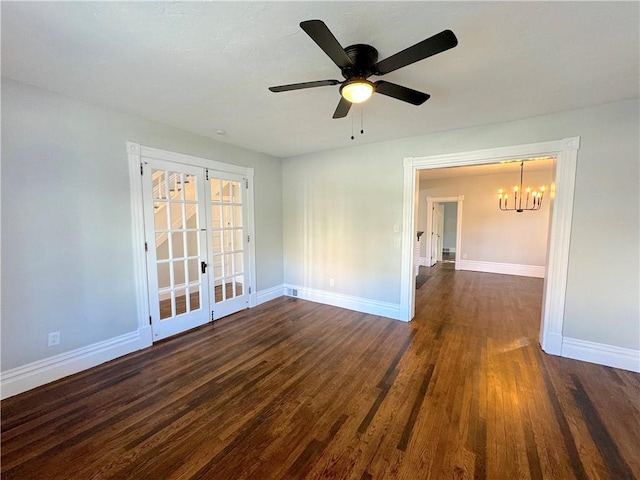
293, 389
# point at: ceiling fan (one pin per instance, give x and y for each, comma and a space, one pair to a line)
359, 62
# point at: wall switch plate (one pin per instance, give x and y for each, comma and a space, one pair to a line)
54, 339
331, 282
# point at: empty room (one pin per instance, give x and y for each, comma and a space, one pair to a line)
304, 240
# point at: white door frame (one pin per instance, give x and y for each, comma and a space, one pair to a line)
566, 153
458, 200
135, 153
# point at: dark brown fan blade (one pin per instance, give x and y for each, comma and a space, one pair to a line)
321, 34
401, 93
299, 86
343, 108
426, 48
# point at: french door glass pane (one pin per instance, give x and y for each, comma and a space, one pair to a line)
178, 273
215, 190
181, 301
159, 184
189, 193
194, 297
192, 243
226, 191
162, 249
176, 214
192, 216
217, 243
238, 285
177, 241
160, 215
237, 216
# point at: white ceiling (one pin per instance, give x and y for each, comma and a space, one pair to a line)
204, 66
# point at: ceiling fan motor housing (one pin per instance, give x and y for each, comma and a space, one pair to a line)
364, 57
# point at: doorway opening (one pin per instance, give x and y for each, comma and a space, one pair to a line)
564, 153
449, 230
443, 220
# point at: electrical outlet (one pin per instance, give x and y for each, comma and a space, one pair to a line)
331, 282
464, 255
54, 339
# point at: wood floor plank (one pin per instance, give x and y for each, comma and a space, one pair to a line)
298, 390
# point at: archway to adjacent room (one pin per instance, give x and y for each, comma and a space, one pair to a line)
565, 153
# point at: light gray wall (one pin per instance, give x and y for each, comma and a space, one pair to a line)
340, 210
341, 206
67, 255
450, 224
489, 234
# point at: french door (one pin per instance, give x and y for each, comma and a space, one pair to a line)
228, 240
196, 243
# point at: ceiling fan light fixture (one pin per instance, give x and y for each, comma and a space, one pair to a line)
357, 91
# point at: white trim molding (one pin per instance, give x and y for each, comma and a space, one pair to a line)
364, 305
555, 284
565, 152
138, 239
211, 164
35, 374
269, 294
502, 268
617, 357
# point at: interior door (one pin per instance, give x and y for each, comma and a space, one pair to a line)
228, 243
437, 229
439, 214
176, 244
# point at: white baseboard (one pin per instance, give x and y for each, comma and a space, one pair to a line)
270, 294
618, 357
503, 268
422, 261
552, 344
364, 305
40, 372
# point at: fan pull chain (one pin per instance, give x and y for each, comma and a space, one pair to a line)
352, 137
361, 123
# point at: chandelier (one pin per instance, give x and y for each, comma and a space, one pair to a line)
532, 200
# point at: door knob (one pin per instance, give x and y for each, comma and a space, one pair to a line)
203, 267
